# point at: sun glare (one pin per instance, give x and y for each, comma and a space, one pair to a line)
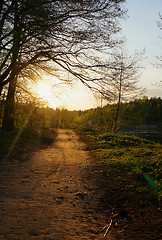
76, 98
44, 90
47, 93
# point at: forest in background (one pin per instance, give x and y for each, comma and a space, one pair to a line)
138, 116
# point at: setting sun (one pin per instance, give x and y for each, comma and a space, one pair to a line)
76, 97
49, 94
44, 90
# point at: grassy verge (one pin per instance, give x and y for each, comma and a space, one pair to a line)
14, 142
140, 157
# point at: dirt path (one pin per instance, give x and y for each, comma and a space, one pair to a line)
47, 197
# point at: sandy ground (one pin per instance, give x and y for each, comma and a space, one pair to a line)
46, 196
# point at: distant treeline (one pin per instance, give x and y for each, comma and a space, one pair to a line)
139, 115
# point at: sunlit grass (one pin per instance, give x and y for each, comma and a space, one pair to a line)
141, 157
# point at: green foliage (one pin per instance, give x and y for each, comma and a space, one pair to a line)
132, 154
134, 116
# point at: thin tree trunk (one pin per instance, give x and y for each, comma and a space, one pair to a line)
118, 105
101, 116
2, 104
116, 118
1, 88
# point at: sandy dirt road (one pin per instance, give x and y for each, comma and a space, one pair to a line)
47, 196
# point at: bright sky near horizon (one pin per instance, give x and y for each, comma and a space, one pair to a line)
142, 32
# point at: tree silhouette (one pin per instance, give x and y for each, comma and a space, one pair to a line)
54, 37
124, 75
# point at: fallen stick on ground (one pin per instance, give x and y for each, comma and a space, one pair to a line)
103, 228
108, 228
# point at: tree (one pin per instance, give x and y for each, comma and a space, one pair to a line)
54, 37
124, 76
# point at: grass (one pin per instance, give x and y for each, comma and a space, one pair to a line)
16, 141
132, 154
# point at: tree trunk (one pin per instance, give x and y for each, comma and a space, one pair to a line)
1, 88
2, 105
116, 118
119, 100
9, 111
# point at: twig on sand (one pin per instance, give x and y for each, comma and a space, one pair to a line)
103, 228
107, 227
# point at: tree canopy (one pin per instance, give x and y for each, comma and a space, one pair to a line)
56, 36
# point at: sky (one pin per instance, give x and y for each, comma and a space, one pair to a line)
142, 32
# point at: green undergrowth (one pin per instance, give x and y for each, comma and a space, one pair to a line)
141, 157
17, 141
